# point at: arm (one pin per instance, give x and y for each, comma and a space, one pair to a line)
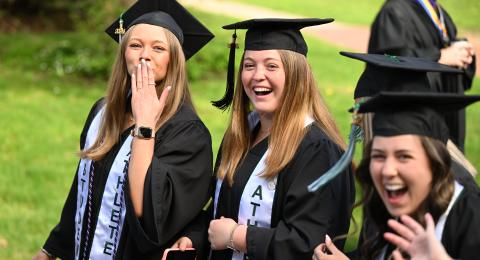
146, 108
176, 184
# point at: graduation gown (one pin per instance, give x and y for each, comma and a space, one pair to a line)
403, 28
461, 234
299, 219
176, 189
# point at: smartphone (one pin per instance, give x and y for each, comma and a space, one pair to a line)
176, 254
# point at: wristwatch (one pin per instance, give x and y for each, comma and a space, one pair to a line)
143, 132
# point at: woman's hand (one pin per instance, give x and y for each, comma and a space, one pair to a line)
414, 240
320, 252
146, 106
459, 54
183, 243
219, 232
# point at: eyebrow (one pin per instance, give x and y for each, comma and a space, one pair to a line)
267, 59
155, 41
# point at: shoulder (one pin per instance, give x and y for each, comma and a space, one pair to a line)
466, 209
186, 119
96, 107
317, 138
396, 8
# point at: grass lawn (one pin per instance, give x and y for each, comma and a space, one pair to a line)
42, 114
465, 13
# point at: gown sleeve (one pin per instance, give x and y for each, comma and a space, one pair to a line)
461, 235
306, 217
394, 32
176, 185
60, 242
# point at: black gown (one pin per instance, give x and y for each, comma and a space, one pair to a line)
403, 28
299, 219
176, 190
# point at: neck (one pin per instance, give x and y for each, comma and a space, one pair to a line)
266, 121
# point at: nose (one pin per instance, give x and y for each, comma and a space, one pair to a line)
389, 168
259, 74
145, 54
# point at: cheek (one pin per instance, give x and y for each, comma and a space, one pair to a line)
245, 78
375, 174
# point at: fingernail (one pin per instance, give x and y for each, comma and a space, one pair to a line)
327, 238
139, 65
148, 64
133, 75
143, 60
169, 88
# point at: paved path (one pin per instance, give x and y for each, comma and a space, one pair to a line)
350, 37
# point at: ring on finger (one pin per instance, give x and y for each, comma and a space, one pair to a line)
152, 83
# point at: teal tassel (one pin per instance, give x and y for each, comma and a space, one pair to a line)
344, 162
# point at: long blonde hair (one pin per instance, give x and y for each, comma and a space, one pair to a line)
115, 116
303, 99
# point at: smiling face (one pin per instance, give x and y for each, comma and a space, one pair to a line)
401, 172
150, 43
263, 78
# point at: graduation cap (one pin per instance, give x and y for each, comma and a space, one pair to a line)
168, 14
266, 34
395, 73
399, 113
402, 113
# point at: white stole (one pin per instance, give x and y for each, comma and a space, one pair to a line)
257, 197
108, 228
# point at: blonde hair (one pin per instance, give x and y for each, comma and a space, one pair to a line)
303, 99
115, 115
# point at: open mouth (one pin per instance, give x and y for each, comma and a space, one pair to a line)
395, 190
262, 91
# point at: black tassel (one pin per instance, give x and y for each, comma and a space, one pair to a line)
226, 101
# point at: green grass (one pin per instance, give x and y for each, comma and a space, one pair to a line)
465, 13
42, 115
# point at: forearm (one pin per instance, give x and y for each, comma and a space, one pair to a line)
140, 160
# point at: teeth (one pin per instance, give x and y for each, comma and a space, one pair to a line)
261, 89
394, 187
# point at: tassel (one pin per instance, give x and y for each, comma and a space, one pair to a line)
225, 102
344, 161
120, 30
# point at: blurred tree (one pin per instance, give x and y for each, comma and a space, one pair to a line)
63, 15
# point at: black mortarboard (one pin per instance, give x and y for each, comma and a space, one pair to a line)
168, 14
401, 113
266, 34
418, 113
395, 73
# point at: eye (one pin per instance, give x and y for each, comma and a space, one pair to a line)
272, 66
377, 156
134, 45
404, 157
248, 65
159, 48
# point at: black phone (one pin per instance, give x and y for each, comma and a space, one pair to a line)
176, 254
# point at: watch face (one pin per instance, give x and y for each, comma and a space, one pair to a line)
145, 132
